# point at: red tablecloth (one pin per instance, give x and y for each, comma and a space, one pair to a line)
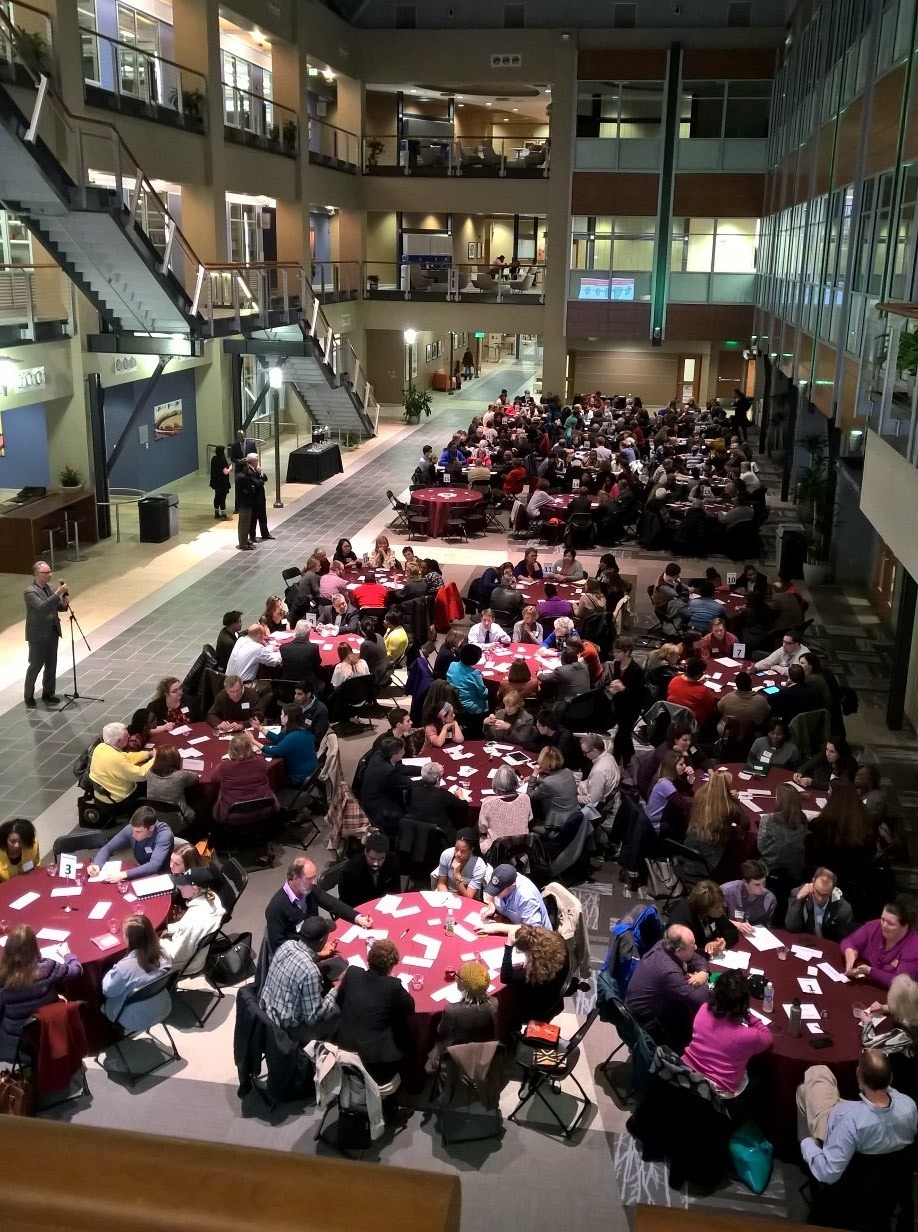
328, 645
767, 785
428, 921
559, 506
212, 749
784, 1065
534, 592
48, 912
678, 509
496, 661
440, 503
481, 762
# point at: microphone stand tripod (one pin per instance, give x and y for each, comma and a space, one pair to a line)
76, 696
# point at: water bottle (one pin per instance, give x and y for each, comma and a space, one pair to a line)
450, 921
768, 1001
793, 1026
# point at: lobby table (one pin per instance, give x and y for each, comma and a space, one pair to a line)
425, 918
484, 758
440, 503
314, 463
211, 747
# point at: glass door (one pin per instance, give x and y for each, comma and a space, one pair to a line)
137, 62
244, 232
89, 44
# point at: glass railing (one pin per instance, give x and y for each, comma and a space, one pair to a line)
333, 147
489, 156
888, 388
142, 83
521, 283
253, 119
31, 295
35, 46
336, 280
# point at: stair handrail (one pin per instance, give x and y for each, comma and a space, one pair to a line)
140, 184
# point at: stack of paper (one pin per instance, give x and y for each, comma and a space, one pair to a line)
733, 960
145, 887
389, 904
764, 939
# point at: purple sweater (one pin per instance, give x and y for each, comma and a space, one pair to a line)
721, 1049
19, 1004
885, 965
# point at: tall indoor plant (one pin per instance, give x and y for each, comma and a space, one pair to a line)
416, 402
816, 492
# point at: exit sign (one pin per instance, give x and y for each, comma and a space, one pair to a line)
479, 333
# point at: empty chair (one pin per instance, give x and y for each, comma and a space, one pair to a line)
550, 1068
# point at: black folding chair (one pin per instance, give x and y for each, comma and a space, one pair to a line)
197, 967
400, 521
551, 1066
352, 701
162, 983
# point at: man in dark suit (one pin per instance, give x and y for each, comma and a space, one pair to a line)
43, 632
241, 447
248, 481
298, 899
385, 780
340, 616
300, 658
796, 697
226, 638
373, 1007
260, 511
371, 874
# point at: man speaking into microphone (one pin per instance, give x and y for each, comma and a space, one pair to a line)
43, 632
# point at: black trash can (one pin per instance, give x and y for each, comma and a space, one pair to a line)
158, 517
790, 549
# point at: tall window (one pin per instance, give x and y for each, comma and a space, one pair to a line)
731, 109
247, 95
137, 61
89, 46
619, 109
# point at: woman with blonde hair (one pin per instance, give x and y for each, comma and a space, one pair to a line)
714, 819
537, 986
528, 630
471, 1020
143, 963
243, 777
382, 556
27, 982
166, 706
899, 1032
555, 786
661, 667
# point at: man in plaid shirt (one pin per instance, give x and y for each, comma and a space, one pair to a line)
292, 993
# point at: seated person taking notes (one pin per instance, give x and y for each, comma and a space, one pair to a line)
150, 841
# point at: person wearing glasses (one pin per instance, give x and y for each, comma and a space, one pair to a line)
780, 660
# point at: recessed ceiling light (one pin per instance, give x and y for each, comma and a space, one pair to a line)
489, 104
461, 104
412, 91
516, 108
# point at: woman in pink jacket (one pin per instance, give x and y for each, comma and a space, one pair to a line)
724, 1037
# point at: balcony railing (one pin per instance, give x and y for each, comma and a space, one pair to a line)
333, 147
36, 35
336, 280
489, 156
458, 283
32, 296
140, 83
253, 119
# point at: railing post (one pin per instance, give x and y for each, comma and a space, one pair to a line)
32, 131
315, 315
198, 287
167, 251
30, 305
135, 195
329, 342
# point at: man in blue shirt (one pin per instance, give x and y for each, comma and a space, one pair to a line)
881, 1121
150, 841
704, 607
515, 897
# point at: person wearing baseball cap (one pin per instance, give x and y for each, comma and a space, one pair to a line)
292, 994
513, 896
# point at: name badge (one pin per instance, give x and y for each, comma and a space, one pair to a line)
28, 866
244, 706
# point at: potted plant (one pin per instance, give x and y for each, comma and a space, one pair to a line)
416, 402
374, 147
289, 134
817, 493
192, 104
70, 478
33, 51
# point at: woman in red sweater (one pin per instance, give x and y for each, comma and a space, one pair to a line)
243, 777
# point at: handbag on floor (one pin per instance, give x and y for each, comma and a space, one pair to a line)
752, 1156
16, 1095
234, 962
662, 878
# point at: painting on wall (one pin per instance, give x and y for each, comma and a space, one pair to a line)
167, 419
2, 440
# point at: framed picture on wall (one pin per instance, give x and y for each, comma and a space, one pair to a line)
428, 353
168, 419
479, 251
473, 250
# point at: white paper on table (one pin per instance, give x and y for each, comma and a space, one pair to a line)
108, 870
415, 761
734, 960
764, 939
492, 959
441, 898
810, 986
53, 934
54, 952
713, 686
24, 899
829, 970
486, 791
821, 802
812, 970
406, 977
451, 994
503, 748
716, 676
806, 953
199, 740
465, 933
99, 912
756, 970
726, 661
145, 887
356, 960
492, 772
757, 791
796, 786
809, 1013
466, 772
389, 903
752, 806
66, 891
411, 961
180, 730
435, 923
474, 919
130, 898
744, 776
814, 1028
372, 934
431, 945
350, 935
398, 915
466, 957
761, 1017
811, 814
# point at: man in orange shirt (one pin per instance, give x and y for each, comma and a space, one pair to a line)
691, 691
589, 654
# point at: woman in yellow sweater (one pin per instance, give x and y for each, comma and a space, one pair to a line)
19, 851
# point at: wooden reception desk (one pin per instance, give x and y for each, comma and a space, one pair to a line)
24, 528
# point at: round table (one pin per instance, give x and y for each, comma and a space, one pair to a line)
712, 507
784, 1065
327, 643
428, 922
757, 795
211, 747
49, 911
441, 503
484, 759
559, 506
534, 591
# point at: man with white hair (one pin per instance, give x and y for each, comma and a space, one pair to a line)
251, 652
43, 632
563, 628
116, 774
249, 483
300, 658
